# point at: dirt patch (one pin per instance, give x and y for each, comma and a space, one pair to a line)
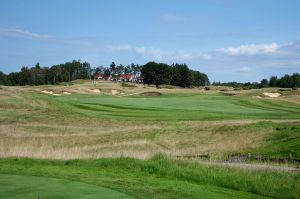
153, 93
271, 94
229, 93
260, 158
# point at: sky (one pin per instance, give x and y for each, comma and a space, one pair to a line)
229, 40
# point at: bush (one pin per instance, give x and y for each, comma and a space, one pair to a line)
128, 85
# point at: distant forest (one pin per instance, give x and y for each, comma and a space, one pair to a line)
38, 75
287, 81
151, 72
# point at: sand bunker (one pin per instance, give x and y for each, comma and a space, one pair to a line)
51, 93
96, 90
271, 94
55, 94
67, 93
115, 92
48, 92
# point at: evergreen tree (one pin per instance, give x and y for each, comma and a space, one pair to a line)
156, 73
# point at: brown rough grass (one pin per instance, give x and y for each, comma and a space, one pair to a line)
33, 128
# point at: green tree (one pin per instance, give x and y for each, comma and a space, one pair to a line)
107, 72
112, 68
37, 65
24, 77
264, 83
198, 78
4, 79
181, 75
156, 73
285, 82
119, 69
273, 81
295, 80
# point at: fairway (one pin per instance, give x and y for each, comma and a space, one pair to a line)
175, 106
29, 187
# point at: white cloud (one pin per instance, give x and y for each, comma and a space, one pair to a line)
225, 64
141, 50
158, 54
22, 34
251, 49
121, 47
245, 69
193, 56
153, 53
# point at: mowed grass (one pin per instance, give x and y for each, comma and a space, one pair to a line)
158, 177
177, 106
31, 187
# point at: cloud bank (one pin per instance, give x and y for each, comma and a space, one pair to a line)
251, 49
247, 62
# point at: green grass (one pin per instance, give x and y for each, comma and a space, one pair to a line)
170, 107
158, 177
31, 187
170, 121
283, 143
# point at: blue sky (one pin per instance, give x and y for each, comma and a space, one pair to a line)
230, 40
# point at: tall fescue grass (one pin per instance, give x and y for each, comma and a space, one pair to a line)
260, 182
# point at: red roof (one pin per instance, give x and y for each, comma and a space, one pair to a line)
125, 76
100, 75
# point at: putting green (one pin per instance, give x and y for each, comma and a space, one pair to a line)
29, 187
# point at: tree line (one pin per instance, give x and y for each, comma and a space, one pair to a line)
38, 75
152, 73
159, 73
286, 81
175, 74
115, 69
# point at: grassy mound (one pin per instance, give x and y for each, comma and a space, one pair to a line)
160, 177
31, 187
151, 94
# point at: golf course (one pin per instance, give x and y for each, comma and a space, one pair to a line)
114, 140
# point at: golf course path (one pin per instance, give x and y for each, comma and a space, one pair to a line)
31, 187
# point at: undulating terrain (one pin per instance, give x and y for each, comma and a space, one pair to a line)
115, 140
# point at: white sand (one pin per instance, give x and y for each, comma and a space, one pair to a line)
272, 94
55, 94
114, 92
51, 93
96, 90
67, 93
47, 92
